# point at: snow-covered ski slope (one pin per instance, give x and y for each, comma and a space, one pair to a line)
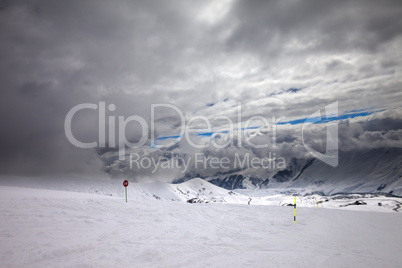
202, 191
156, 228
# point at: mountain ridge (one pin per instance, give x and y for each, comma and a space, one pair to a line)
363, 171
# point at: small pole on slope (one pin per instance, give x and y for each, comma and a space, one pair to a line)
316, 202
125, 184
294, 212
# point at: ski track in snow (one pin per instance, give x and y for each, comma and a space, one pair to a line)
47, 228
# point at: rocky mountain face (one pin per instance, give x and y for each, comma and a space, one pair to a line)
368, 171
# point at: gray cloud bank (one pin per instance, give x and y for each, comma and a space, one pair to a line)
361, 134
201, 56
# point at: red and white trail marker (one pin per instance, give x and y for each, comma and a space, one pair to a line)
125, 184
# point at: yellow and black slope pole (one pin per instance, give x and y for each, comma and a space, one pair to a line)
316, 202
294, 212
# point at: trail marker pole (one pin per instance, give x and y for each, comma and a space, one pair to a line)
125, 184
294, 212
316, 202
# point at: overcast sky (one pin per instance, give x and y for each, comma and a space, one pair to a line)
272, 58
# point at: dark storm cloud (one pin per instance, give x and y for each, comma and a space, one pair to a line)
58, 54
321, 26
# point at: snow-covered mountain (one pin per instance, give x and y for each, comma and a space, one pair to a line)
195, 190
198, 190
369, 171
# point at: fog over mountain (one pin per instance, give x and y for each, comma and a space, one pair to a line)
271, 88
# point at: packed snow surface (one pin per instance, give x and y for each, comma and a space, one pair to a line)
157, 228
